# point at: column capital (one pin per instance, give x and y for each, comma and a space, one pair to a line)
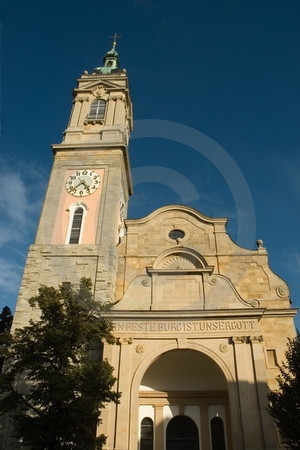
255, 339
124, 341
238, 340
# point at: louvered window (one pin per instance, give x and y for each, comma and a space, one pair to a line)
76, 226
97, 110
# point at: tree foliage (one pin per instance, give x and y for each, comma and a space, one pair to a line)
285, 402
6, 319
55, 382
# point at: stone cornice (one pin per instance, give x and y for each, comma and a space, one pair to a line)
193, 212
224, 314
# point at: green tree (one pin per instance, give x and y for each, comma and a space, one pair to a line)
285, 402
6, 319
55, 382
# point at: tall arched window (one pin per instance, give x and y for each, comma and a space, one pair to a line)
146, 434
97, 110
76, 226
77, 213
217, 434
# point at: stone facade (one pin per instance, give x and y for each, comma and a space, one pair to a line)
201, 324
200, 294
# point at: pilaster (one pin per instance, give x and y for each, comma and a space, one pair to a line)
110, 111
159, 428
259, 365
253, 436
204, 428
124, 378
75, 113
83, 111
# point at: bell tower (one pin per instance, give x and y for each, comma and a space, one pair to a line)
82, 219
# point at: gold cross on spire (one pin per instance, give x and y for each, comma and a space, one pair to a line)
115, 37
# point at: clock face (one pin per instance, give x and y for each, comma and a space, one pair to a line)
83, 182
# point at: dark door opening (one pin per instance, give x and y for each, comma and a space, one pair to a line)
182, 434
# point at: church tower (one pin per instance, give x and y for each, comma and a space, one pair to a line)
87, 195
201, 324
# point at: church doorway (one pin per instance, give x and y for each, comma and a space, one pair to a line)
183, 397
182, 434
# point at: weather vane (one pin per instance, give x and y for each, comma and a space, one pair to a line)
115, 37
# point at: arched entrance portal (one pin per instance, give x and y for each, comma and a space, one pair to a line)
184, 387
182, 434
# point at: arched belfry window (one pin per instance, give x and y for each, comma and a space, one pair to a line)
97, 110
77, 212
146, 434
217, 434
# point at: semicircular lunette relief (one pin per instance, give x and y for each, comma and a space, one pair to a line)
179, 261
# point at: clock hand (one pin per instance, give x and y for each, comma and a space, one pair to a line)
78, 184
81, 182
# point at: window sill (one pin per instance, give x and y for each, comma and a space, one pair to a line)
94, 121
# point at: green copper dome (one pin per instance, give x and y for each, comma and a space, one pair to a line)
110, 63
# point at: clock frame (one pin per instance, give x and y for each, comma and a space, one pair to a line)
82, 183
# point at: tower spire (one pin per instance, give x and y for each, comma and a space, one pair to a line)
114, 37
111, 63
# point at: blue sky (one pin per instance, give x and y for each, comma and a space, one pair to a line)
225, 71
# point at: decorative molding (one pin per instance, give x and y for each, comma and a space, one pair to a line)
223, 348
238, 340
119, 97
100, 92
76, 204
182, 343
80, 99
140, 349
93, 121
282, 291
246, 339
179, 261
212, 280
255, 339
254, 303
125, 340
145, 281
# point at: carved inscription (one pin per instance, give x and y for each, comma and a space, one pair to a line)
168, 326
